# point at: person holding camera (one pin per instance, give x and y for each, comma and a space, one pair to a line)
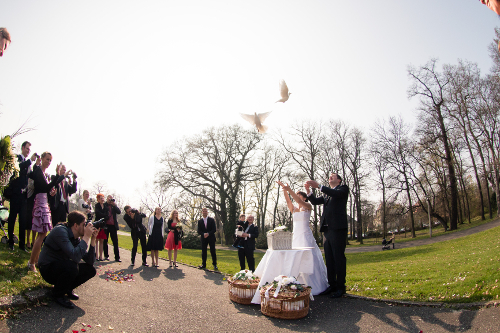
108, 210
64, 248
85, 205
59, 203
42, 222
137, 231
101, 236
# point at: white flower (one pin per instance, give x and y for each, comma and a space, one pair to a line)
293, 287
279, 278
249, 275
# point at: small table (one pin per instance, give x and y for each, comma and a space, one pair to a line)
296, 262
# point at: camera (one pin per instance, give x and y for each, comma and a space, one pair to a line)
37, 156
135, 211
112, 200
99, 224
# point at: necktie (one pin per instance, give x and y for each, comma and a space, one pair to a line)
63, 190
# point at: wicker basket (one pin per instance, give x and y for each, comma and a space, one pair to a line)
281, 240
241, 291
287, 305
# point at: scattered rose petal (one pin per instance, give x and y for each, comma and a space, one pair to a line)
74, 331
98, 325
84, 324
83, 329
110, 328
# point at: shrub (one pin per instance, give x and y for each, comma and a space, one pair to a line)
261, 241
191, 240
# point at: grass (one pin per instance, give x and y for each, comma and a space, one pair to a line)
422, 234
465, 270
461, 270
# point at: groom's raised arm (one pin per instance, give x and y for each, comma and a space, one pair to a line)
315, 200
339, 192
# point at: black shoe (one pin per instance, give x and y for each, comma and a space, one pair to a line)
24, 250
72, 296
202, 267
132, 263
338, 293
63, 301
327, 291
118, 260
106, 258
216, 268
11, 247
145, 264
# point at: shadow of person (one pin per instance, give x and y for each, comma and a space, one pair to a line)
215, 277
60, 320
149, 273
174, 273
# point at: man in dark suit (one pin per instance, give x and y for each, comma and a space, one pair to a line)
111, 227
59, 203
206, 229
137, 231
334, 226
18, 200
250, 233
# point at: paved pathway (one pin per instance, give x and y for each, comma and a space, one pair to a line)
190, 300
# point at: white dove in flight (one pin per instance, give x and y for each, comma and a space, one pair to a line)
283, 92
257, 119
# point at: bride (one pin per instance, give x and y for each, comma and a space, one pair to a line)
303, 237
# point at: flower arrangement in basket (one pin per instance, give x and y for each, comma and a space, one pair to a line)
242, 286
279, 238
285, 298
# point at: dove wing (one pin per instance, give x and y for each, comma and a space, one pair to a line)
283, 89
248, 117
263, 116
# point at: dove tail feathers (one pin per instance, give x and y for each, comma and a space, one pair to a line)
263, 129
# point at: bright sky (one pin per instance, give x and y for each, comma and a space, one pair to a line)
110, 84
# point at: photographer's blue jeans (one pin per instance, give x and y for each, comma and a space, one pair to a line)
66, 275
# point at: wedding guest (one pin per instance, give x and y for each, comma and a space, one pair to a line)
30, 204
207, 229
4, 40
156, 233
59, 204
174, 236
248, 243
112, 227
137, 231
100, 213
85, 205
18, 200
41, 212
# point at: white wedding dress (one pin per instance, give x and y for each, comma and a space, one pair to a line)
303, 237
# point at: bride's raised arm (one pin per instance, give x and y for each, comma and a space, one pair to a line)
287, 197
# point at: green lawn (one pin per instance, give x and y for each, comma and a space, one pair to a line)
462, 270
422, 234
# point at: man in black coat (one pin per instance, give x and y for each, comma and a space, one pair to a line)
137, 231
59, 203
206, 229
250, 233
18, 200
111, 227
334, 226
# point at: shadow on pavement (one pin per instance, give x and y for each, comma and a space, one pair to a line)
174, 273
149, 273
346, 315
215, 277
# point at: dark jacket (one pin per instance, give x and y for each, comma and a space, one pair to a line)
21, 182
135, 224
56, 199
249, 243
104, 213
335, 207
40, 182
177, 234
211, 228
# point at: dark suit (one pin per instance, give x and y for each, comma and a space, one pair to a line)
210, 240
137, 232
103, 212
248, 247
18, 202
59, 210
334, 225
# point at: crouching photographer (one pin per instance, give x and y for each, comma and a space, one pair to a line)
137, 231
59, 263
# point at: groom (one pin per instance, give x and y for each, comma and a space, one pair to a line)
334, 226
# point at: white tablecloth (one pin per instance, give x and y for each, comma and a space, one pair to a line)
296, 262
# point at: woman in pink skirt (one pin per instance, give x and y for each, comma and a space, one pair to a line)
42, 220
174, 236
102, 234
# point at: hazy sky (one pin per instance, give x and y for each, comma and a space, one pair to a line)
110, 84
